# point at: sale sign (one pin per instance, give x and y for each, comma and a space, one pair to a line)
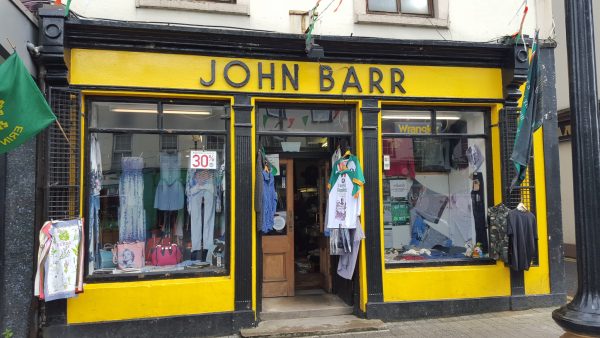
201, 159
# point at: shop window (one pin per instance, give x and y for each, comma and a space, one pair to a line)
303, 120
434, 186
416, 7
156, 197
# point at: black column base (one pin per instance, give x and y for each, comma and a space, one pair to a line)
576, 321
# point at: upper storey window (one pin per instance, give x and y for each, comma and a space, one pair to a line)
423, 13
235, 7
414, 7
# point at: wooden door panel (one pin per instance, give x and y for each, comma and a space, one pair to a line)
275, 289
275, 244
274, 267
278, 250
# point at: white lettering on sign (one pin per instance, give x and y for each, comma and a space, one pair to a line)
200, 159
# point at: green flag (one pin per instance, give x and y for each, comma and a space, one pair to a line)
530, 118
23, 110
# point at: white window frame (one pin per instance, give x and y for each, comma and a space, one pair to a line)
439, 19
240, 7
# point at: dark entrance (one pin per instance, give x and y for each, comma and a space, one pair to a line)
304, 139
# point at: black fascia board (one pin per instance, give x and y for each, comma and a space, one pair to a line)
181, 39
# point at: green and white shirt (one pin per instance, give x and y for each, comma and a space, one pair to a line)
345, 183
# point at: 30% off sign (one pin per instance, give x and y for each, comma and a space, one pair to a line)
201, 159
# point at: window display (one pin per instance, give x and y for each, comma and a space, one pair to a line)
434, 179
154, 205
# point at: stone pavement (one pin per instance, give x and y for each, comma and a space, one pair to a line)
532, 323
528, 323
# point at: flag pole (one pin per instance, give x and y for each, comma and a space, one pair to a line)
63, 132
12, 45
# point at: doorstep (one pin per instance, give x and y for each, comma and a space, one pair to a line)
314, 326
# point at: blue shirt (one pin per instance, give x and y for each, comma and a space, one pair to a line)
269, 199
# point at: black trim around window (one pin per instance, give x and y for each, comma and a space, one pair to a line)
488, 185
225, 132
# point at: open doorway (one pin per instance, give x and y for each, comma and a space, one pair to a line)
295, 253
294, 260
311, 257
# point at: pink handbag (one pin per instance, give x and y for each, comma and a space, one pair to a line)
129, 255
165, 255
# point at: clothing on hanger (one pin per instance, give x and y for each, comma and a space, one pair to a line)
132, 216
497, 226
344, 185
523, 237
200, 191
169, 192
478, 202
60, 260
347, 261
402, 159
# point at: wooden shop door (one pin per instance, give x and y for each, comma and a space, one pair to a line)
278, 245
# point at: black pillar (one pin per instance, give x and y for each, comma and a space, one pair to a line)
582, 314
514, 74
372, 160
243, 316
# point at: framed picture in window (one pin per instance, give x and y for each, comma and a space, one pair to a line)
320, 116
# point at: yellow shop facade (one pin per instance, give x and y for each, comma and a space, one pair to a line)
178, 130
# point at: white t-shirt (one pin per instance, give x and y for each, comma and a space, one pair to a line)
343, 208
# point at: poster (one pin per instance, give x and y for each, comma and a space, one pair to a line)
399, 188
274, 160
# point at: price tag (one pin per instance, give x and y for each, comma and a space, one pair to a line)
386, 162
200, 159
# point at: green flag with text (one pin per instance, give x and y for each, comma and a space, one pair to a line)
24, 111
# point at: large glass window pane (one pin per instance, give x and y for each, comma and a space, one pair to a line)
456, 122
146, 201
300, 120
383, 6
406, 122
282, 144
434, 199
414, 6
124, 115
188, 117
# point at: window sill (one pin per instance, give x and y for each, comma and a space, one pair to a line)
195, 5
130, 277
400, 20
440, 262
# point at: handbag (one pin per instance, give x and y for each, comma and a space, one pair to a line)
129, 255
106, 257
165, 255
152, 243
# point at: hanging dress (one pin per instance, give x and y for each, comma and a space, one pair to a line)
132, 216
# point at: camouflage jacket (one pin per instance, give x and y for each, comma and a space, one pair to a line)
497, 219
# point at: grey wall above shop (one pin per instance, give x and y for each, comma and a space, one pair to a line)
19, 26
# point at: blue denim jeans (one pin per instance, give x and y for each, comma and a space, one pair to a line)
93, 222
